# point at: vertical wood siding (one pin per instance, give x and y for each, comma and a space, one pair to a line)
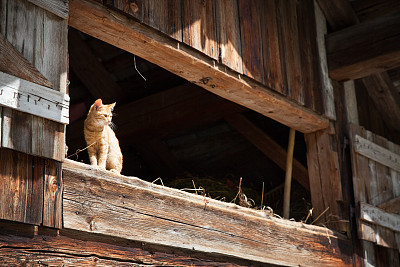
41, 38
271, 41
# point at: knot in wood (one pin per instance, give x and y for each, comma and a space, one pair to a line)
205, 80
53, 184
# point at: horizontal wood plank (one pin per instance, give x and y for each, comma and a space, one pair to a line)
380, 217
377, 153
57, 7
127, 34
364, 49
33, 98
392, 206
99, 202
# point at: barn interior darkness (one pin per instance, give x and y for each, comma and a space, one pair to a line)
175, 130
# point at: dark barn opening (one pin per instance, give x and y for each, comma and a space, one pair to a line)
172, 129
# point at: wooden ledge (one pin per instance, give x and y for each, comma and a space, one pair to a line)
116, 29
127, 207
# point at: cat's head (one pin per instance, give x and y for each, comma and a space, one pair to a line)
102, 113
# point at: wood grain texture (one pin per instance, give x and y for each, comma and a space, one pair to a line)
268, 146
12, 62
74, 248
229, 34
372, 46
199, 26
372, 9
380, 217
34, 99
21, 187
57, 7
100, 202
374, 183
165, 16
32, 135
339, 14
251, 41
131, 36
52, 199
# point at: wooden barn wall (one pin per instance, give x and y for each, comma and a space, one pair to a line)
38, 40
273, 42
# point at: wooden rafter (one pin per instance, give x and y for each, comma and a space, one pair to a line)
339, 13
116, 29
268, 146
364, 49
91, 71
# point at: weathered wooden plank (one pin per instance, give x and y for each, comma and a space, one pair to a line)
57, 7
229, 34
376, 153
273, 49
72, 248
268, 146
327, 88
32, 135
290, 34
251, 40
21, 187
132, 8
380, 217
22, 32
33, 98
131, 36
52, 199
100, 202
12, 62
372, 46
165, 16
199, 26
310, 63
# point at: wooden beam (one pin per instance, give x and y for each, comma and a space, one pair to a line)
392, 206
364, 49
385, 97
372, 9
99, 202
377, 153
33, 98
127, 34
14, 63
380, 217
57, 7
268, 146
339, 13
90, 71
20, 245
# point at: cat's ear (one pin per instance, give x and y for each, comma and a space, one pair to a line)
98, 103
112, 106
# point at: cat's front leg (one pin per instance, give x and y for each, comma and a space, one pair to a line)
92, 156
103, 156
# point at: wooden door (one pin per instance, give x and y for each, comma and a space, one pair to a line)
34, 109
376, 179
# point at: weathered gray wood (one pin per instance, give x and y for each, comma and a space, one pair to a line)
12, 62
57, 7
327, 89
377, 153
380, 217
52, 197
100, 202
116, 29
33, 98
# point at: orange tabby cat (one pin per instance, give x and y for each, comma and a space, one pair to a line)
104, 150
